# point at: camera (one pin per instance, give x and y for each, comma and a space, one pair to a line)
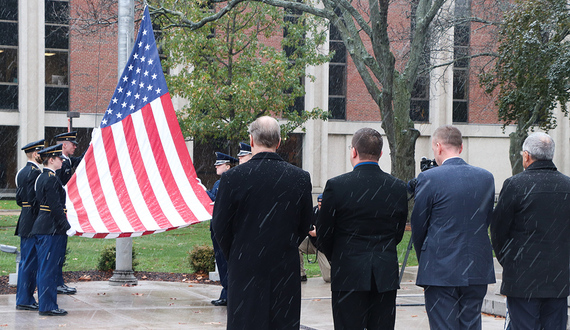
425, 164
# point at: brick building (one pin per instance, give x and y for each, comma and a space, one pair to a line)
47, 69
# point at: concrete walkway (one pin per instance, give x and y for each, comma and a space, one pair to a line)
170, 305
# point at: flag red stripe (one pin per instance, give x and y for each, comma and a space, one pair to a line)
98, 195
142, 176
73, 193
118, 179
183, 153
163, 167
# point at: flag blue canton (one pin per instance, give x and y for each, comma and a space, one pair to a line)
142, 79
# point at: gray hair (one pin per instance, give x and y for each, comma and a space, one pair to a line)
540, 146
265, 131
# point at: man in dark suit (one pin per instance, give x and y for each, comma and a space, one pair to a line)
362, 219
26, 198
262, 210
530, 232
451, 215
50, 230
69, 163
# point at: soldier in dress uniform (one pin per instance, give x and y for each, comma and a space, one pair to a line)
69, 144
50, 230
26, 198
244, 152
223, 163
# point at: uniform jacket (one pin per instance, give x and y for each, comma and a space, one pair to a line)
262, 210
50, 195
531, 232
450, 220
67, 166
26, 198
362, 219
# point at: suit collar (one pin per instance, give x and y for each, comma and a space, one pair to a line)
542, 165
266, 155
368, 166
454, 161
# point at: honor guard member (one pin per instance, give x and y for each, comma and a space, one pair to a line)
50, 230
69, 144
223, 163
26, 198
244, 152
68, 140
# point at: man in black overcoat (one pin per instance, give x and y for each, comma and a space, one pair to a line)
26, 198
530, 231
362, 219
262, 210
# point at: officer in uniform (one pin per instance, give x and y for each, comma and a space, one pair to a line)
50, 230
26, 198
223, 163
69, 144
244, 152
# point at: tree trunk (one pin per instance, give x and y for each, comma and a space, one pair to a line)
516, 141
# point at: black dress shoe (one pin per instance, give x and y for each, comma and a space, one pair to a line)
64, 289
32, 307
304, 278
220, 302
54, 312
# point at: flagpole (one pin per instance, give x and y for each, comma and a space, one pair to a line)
123, 274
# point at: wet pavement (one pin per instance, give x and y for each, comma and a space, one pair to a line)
175, 305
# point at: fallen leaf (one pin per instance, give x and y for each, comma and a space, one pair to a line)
85, 278
172, 298
138, 294
101, 294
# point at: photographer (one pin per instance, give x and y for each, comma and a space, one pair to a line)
308, 247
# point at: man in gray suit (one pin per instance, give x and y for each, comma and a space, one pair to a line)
450, 221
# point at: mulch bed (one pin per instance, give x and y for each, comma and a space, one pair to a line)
96, 275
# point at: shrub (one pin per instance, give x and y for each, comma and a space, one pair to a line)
107, 259
202, 259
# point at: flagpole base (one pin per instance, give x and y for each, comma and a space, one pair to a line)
123, 278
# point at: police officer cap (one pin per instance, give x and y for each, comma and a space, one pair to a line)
51, 151
223, 159
68, 136
34, 146
244, 149
320, 198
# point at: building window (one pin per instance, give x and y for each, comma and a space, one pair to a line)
57, 55
419, 97
8, 159
292, 16
291, 149
461, 40
337, 75
9, 54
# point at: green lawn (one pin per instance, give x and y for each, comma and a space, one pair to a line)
164, 252
8, 204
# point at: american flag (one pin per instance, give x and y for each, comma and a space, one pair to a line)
136, 177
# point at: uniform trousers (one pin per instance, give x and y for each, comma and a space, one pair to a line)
455, 307
62, 261
27, 271
222, 267
308, 247
51, 249
538, 313
364, 309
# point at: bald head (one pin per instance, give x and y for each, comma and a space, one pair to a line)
265, 133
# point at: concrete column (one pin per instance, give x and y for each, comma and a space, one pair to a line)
31, 73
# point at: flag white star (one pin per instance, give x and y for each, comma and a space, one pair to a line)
120, 89
133, 82
150, 61
131, 67
136, 56
129, 93
137, 96
144, 32
146, 73
115, 100
138, 70
149, 87
158, 90
145, 98
141, 85
124, 104
125, 79
147, 47
119, 115
132, 107
140, 44
153, 76
143, 58
109, 111
104, 121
